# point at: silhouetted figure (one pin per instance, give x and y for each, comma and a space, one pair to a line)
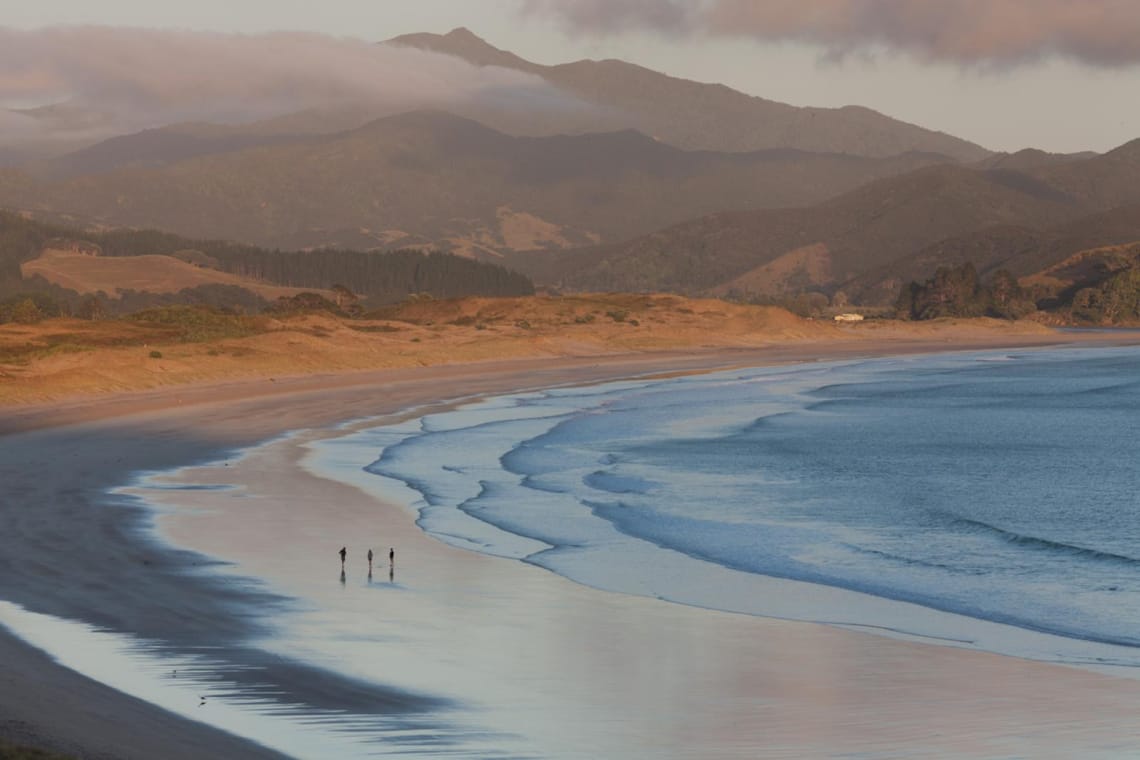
391, 557
369, 561
343, 554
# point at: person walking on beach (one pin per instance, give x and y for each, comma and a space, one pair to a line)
343, 554
369, 560
391, 557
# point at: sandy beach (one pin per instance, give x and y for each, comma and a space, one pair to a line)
735, 686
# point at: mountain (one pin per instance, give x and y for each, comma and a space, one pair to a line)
1029, 159
1024, 251
1102, 182
427, 178
774, 252
690, 115
871, 240
155, 147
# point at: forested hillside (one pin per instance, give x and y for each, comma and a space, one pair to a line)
373, 278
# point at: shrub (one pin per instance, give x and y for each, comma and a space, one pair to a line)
303, 302
197, 323
26, 312
155, 354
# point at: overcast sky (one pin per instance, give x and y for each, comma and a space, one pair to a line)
1061, 75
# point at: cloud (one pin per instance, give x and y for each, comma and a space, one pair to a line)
964, 32
17, 125
138, 78
610, 16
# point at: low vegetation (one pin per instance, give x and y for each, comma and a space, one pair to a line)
63, 356
20, 752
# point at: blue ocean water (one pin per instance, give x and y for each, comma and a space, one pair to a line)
1003, 487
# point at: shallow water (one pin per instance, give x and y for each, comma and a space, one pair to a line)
995, 486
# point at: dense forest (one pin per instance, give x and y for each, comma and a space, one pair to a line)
960, 292
1114, 301
1107, 295
376, 278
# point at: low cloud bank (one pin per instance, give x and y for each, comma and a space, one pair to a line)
113, 79
965, 32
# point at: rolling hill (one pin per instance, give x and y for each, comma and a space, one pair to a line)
872, 239
152, 273
429, 178
1101, 182
1028, 159
155, 147
64, 269
1023, 251
772, 252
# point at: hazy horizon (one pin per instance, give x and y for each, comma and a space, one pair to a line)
1054, 75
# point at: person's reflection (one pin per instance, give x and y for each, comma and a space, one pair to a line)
391, 575
342, 577
369, 576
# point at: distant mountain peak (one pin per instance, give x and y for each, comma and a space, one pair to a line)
465, 34
461, 42
691, 115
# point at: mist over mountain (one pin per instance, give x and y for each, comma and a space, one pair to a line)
594, 175
75, 85
688, 114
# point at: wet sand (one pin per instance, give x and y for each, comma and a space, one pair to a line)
767, 689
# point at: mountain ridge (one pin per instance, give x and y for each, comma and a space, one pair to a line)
695, 115
870, 240
431, 178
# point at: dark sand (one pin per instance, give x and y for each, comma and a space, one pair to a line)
70, 549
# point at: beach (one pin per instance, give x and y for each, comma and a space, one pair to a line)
606, 674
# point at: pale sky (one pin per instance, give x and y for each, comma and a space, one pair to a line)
1049, 102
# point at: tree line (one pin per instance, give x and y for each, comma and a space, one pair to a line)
378, 278
1112, 298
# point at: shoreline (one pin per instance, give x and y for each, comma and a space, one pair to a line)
77, 408
102, 442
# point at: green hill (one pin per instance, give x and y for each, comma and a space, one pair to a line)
168, 269
431, 179
869, 241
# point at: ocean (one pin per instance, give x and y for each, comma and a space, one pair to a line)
978, 500
992, 487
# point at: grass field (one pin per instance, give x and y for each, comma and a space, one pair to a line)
157, 274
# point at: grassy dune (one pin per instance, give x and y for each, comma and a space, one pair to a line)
65, 358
